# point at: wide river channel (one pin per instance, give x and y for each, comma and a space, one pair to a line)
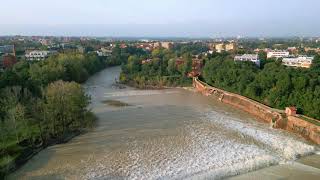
172, 134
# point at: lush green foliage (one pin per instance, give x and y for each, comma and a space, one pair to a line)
42, 102
274, 85
160, 71
193, 48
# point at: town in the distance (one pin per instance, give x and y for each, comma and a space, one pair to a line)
293, 52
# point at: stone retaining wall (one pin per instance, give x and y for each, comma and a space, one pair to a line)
276, 118
305, 128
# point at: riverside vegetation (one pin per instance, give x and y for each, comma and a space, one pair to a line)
42, 103
161, 70
272, 84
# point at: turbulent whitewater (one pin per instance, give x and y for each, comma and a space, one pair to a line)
164, 134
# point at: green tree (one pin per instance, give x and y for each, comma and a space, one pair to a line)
171, 67
65, 106
187, 66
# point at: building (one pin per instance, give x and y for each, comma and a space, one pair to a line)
7, 56
197, 65
219, 47
156, 45
209, 52
278, 54
293, 50
123, 46
8, 61
104, 52
231, 47
266, 50
45, 42
7, 49
166, 45
211, 46
308, 49
146, 46
146, 61
300, 61
248, 57
38, 55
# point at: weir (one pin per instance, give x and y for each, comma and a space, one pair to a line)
168, 134
277, 118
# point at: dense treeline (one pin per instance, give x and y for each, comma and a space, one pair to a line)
42, 103
274, 85
120, 55
193, 48
161, 70
277, 43
68, 67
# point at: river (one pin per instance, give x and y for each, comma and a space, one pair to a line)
172, 134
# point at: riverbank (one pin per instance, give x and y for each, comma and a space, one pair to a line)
275, 117
70, 120
29, 152
165, 134
152, 87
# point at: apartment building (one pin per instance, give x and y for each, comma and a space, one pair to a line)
248, 57
300, 61
219, 47
37, 55
278, 54
104, 52
231, 47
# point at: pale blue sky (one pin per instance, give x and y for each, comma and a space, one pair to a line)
187, 18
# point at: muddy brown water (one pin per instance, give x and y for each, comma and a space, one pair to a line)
172, 134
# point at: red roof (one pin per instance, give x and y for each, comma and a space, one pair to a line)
9, 61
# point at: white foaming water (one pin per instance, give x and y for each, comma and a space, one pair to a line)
202, 152
276, 141
166, 134
216, 147
138, 93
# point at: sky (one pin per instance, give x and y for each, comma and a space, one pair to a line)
160, 18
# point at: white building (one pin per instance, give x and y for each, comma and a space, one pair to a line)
301, 61
278, 54
38, 55
248, 57
103, 52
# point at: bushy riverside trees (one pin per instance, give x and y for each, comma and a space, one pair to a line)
160, 71
274, 85
42, 102
64, 108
